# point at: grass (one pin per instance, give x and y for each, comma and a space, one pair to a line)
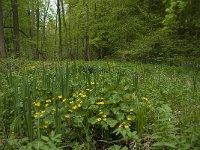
111, 105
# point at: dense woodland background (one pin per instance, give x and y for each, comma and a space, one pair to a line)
145, 30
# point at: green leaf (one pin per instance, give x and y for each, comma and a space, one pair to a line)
115, 147
124, 148
93, 120
158, 144
45, 138
173, 145
111, 122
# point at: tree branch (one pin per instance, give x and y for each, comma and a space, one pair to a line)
19, 31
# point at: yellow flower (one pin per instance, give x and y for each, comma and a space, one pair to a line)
83, 95
36, 114
67, 116
74, 107
92, 83
46, 105
64, 100
100, 103
71, 102
98, 119
145, 98
104, 116
121, 125
48, 101
80, 94
37, 104
42, 111
60, 97
131, 110
70, 110
101, 113
129, 118
104, 119
79, 105
126, 126
89, 90
74, 95
46, 126
53, 109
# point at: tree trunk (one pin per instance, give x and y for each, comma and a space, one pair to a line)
64, 22
37, 29
2, 42
43, 42
59, 30
87, 57
33, 30
69, 30
16, 27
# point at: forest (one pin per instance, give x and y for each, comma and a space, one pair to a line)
99, 74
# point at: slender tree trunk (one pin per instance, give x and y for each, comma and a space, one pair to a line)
2, 42
56, 30
16, 27
77, 42
64, 22
87, 57
59, 30
43, 42
37, 29
33, 30
70, 40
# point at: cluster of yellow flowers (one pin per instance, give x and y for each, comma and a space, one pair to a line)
92, 83
82, 94
89, 90
100, 101
124, 125
39, 114
46, 124
102, 116
48, 102
37, 104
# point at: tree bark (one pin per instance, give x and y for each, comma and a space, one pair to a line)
37, 29
43, 42
69, 30
59, 30
87, 57
2, 42
64, 22
16, 27
33, 29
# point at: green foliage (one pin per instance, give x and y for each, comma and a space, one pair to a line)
45, 143
108, 104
